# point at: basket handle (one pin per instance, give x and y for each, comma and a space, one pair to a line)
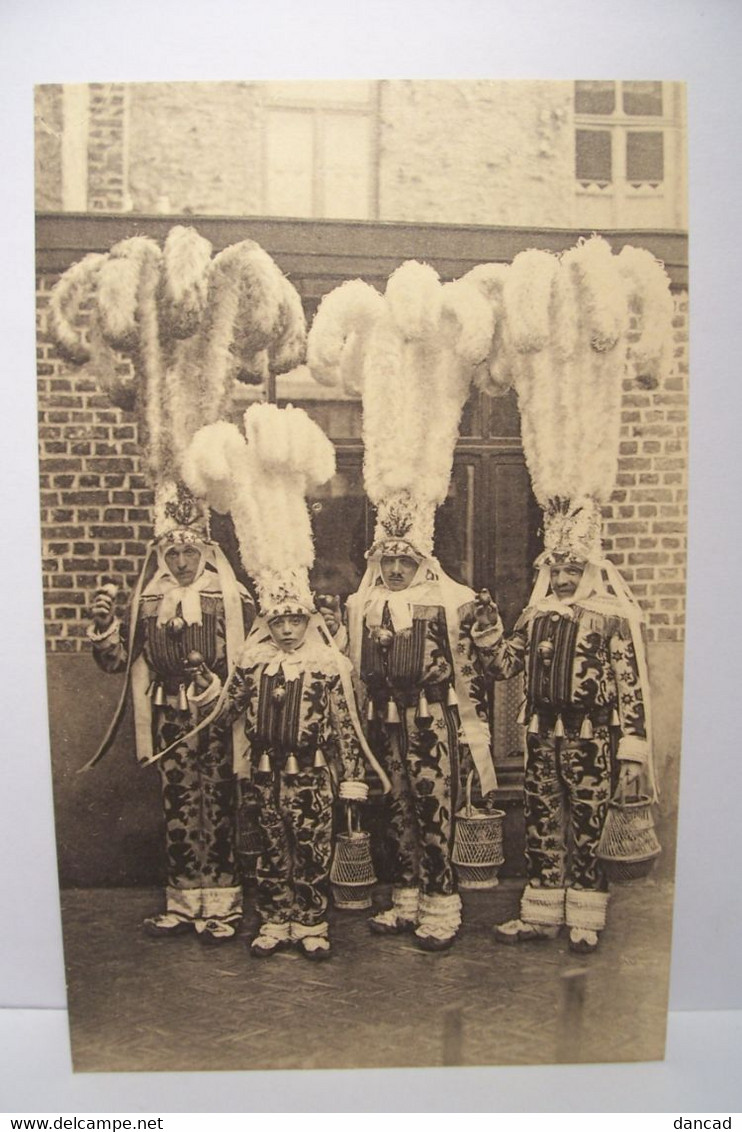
469, 781
353, 818
622, 797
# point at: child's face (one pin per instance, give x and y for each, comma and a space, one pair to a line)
288, 631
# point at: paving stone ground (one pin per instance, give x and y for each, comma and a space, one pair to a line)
141, 1004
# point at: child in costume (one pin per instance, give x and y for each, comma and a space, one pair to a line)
412, 353
562, 342
291, 693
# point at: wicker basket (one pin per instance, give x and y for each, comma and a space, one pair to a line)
477, 844
628, 845
352, 875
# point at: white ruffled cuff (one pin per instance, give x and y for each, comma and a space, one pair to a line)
107, 636
539, 905
586, 909
353, 790
487, 638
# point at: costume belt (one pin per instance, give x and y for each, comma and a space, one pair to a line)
557, 722
409, 697
274, 760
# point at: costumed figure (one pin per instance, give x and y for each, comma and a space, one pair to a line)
191, 325
292, 693
412, 353
562, 342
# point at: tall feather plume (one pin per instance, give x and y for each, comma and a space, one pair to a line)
413, 295
336, 341
527, 296
266, 316
562, 324
188, 323
68, 299
289, 345
119, 290
147, 355
495, 375
215, 466
446, 365
650, 297
412, 353
185, 282
115, 378
263, 479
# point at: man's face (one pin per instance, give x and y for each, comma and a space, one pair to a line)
398, 571
183, 562
566, 578
288, 631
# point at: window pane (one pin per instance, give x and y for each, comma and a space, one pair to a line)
642, 98
454, 526
593, 155
342, 534
347, 166
644, 157
598, 97
288, 172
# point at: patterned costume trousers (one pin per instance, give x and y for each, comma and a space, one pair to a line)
567, 790
422, 763
293, 870
198, 794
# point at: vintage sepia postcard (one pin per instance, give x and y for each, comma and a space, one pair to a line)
363, 419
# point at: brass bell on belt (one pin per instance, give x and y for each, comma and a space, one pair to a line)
264, 766
292, 766
423, 716
533, 726
370, 711
158, 698
558, 728
586, 730
615, 718
182, 698
452, 700
392, 713
319, 760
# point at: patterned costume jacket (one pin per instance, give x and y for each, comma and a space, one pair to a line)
582, 682
197, 776
424, 755
304, 714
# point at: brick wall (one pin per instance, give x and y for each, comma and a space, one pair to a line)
95, 502
107, 190
645, 523
95, 499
